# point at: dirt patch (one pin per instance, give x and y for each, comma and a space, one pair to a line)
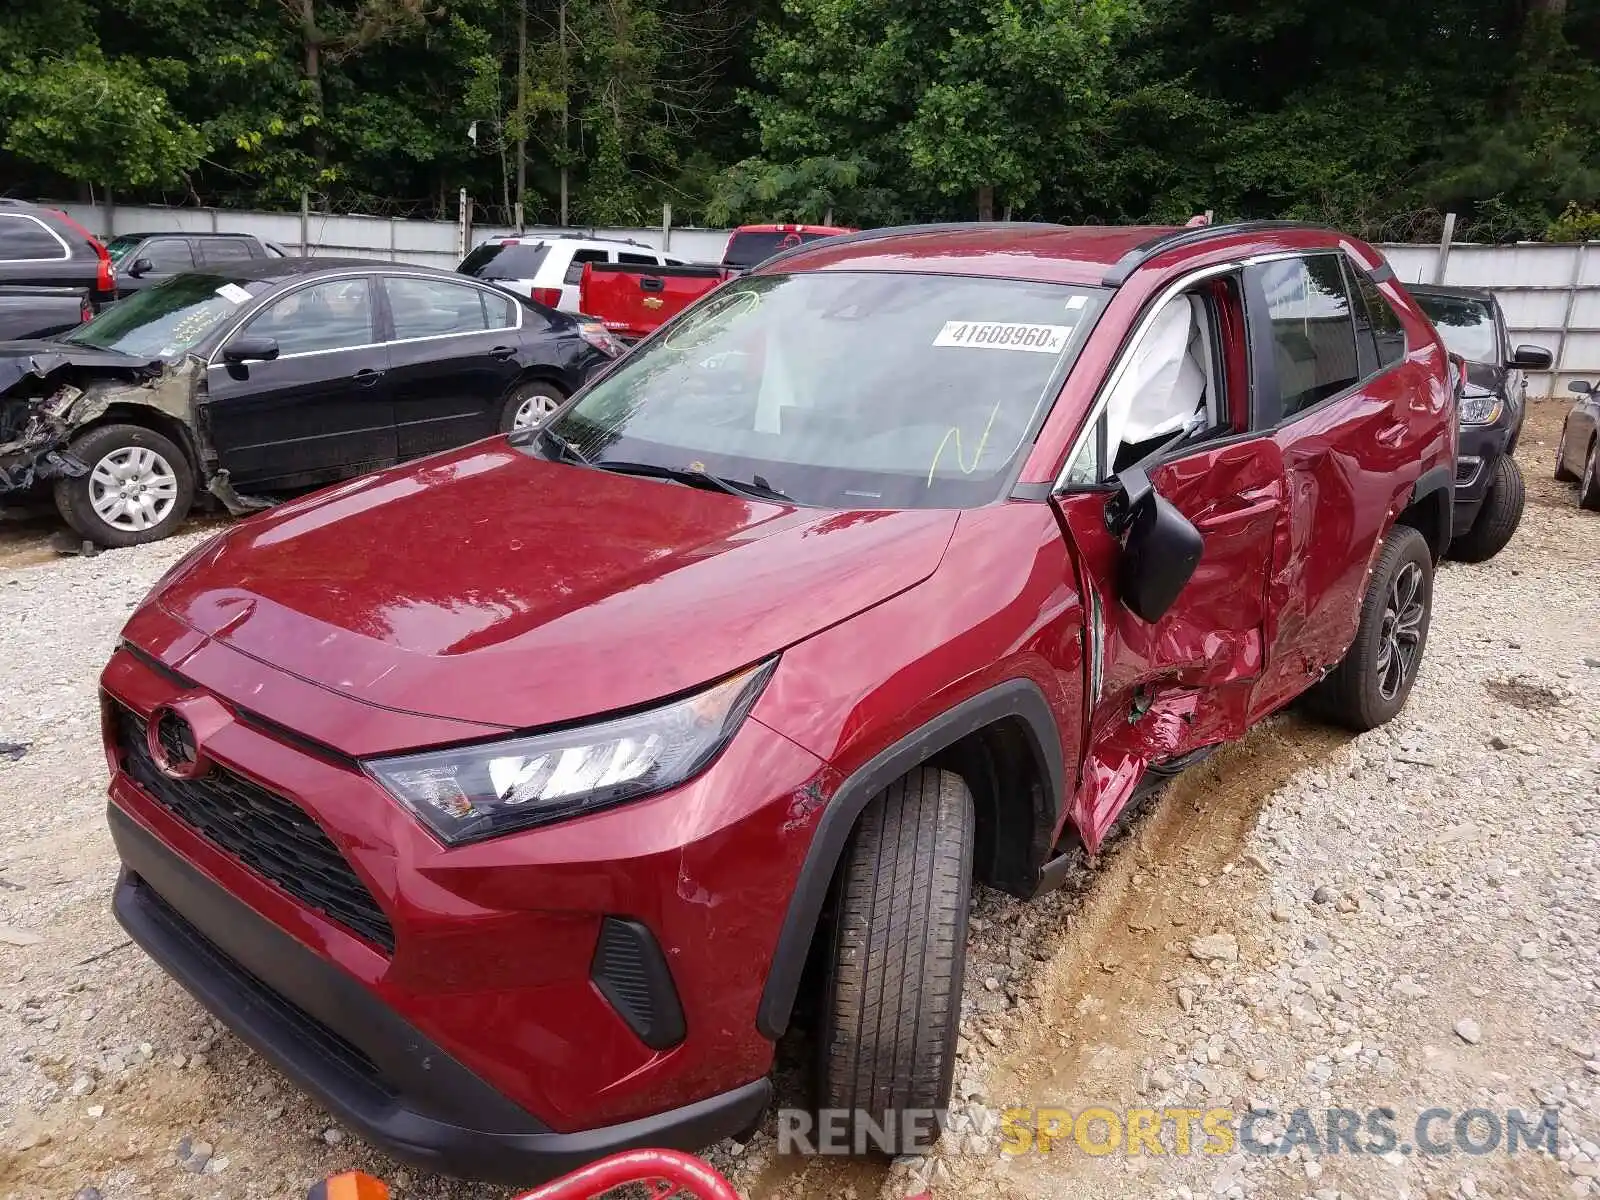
1520, 693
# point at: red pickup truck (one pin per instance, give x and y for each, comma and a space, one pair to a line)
634, 301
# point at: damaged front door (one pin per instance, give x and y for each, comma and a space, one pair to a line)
321, 407
1178, 402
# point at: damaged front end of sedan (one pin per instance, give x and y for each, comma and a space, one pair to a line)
50, 394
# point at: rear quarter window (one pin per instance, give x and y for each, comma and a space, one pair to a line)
505, 260
25, 238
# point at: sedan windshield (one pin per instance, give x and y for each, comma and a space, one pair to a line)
1466, 325
170, 319
844, 389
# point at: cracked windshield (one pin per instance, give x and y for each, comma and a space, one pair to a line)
844, 390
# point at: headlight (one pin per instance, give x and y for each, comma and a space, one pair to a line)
469, 793
1480, 407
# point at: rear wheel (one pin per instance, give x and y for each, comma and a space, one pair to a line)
1497, 519
1372, 681
529, 404
1589, 485
887, 1041
138, 489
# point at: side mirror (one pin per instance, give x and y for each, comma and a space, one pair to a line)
1532, 358
1160, 548
141, 266
250, 349
1582, 386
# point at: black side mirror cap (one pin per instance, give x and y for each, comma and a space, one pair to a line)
250, 349
1160, 551
1532, 358
1582, 386
141, 266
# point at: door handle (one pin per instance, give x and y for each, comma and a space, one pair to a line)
1392, 435
366, 377
503, 352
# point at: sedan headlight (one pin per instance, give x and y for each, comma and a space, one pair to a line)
467, 793
1480, 407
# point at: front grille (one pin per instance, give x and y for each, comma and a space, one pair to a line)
259, 828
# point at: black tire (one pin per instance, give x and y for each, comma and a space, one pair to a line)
1589, 485
1497, 519
1562, 474
892, 1008
75, 497
1361, 693
536, 389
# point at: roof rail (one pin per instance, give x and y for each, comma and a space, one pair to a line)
888, 231
1188, 236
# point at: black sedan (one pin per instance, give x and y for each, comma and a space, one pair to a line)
1578, 452
1489, 494
276, 375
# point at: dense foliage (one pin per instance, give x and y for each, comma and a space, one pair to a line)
1369, 114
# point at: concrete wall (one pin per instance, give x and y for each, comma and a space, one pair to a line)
1550, 293
425, 243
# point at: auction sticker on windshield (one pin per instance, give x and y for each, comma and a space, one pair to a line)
233, 293
1004, 335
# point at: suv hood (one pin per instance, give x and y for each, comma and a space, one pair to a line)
491, 586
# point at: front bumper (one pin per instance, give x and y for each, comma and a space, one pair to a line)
470, 1029
1478, 454
372, 1070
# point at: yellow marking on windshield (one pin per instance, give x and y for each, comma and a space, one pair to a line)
955, 432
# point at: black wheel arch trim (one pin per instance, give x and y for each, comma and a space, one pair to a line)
1015, 699
1439, 481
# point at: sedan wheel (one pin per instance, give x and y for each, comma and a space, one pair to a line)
1589, 485
529, 406
133, 489
137, 489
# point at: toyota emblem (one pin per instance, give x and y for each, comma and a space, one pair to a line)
173, 745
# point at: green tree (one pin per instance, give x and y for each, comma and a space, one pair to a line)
96, 120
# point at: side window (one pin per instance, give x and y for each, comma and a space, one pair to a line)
433, 307
217, 250
1313, 333
1171, 382
499, 312
28, 239
639, 260
335, 315
1378, 329
167, 255
579, 257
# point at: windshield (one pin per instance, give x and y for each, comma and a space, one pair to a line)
844, 389
169, 319
120, 247
504, 260
1466, 325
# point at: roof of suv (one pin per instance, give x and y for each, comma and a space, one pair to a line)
183, 233
1097, 255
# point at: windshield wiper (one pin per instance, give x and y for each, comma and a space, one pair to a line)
757, 489
564, 448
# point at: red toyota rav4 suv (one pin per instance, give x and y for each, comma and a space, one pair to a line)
501, 798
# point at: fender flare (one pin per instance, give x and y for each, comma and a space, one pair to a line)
1015, 699
1441, 478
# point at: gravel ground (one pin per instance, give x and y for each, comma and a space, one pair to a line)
1407, 919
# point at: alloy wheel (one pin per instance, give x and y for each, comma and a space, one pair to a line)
1402, 631
133, 489
533, 409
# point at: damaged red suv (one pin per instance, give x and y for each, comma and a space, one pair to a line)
501, 799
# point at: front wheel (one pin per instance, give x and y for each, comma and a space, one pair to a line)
1498, 518
138, 489
1589, 485
1371, 683
887, 1042
1562, 474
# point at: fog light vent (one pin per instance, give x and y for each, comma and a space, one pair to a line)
631, 972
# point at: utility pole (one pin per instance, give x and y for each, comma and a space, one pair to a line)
522, 110
566, 101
